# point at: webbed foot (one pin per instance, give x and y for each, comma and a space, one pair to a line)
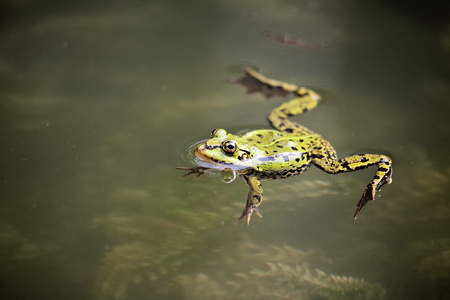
369, 193
248, 211
199, 171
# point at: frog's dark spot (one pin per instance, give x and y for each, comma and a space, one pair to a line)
376, 177
364, 159
293, 148
279, 146
361, 167
382, 169
274, 151
297, 159
345, 165
289, 130
208, 147
266, 152
258, 142
260, 136
318, 156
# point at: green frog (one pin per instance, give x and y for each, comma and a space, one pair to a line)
283, 152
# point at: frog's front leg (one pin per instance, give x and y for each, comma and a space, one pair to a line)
199, 171
328, 162
255, 196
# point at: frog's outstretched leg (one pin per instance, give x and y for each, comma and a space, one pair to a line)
278, 118
328, 162
255, 196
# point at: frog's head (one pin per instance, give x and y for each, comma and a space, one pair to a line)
224, 149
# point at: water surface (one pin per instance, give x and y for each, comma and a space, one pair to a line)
100, 100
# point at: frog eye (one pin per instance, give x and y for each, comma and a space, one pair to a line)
218, 133
230, 147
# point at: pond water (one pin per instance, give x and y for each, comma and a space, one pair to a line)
100, 100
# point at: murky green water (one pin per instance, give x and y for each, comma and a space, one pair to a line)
100, 100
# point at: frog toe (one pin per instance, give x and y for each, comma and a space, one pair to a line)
248, 211
199, 171
387, 179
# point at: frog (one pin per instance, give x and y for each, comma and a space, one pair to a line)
285, 151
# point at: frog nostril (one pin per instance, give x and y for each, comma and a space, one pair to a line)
207, 147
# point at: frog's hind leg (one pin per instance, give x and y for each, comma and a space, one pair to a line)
326, 160
305, 100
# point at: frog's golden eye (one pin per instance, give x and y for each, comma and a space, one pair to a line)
230, 147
